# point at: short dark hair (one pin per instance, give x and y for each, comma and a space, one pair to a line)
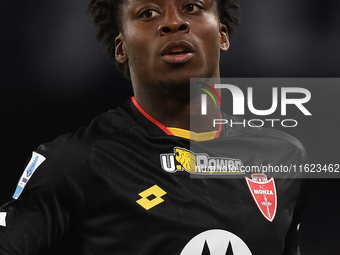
106, 15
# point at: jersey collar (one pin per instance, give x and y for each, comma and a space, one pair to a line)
158, 128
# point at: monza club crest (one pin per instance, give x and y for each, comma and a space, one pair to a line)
264, 194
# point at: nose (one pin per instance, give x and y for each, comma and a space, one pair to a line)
173, 23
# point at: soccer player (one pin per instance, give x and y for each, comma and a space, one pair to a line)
122, 185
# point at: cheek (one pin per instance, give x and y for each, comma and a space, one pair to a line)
212, 47
210, 36
136, 51
134, 42
139, 62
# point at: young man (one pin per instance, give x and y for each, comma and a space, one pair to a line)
120, 186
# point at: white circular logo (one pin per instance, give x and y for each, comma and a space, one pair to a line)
216, 242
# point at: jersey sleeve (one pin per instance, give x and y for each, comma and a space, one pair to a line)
47, 203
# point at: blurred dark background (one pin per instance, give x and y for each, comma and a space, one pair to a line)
54, 78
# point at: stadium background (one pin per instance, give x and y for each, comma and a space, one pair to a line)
55, 78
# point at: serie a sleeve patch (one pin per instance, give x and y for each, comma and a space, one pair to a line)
3, 219
34, 163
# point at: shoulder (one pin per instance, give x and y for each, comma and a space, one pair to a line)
269, 137
79, 143
71, 153
66, 161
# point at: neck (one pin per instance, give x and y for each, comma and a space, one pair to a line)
178, 110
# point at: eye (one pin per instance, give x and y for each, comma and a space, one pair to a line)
192, 8
148, 14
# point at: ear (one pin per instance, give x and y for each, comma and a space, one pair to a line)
120, 49
224, 38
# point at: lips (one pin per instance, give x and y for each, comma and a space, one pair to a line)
177, 52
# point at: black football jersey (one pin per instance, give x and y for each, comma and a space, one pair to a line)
126, 185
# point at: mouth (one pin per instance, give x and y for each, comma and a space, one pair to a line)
177, 52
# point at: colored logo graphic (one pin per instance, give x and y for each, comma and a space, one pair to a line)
199, 163
209, 93
204, 97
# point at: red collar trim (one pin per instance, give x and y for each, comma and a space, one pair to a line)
160, 125
149, 117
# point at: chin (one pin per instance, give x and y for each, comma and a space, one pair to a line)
177, 89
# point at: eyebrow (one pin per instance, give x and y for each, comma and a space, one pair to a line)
139, 1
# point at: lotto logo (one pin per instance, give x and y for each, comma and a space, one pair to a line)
151, 197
